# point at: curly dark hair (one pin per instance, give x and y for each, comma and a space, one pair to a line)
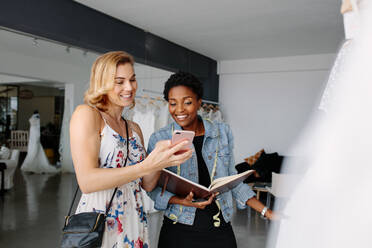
183, 79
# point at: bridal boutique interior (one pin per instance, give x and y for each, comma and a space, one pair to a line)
264, 67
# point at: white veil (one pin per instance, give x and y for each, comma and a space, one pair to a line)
331, 204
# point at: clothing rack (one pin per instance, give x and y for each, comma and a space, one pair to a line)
159, 93
211, 102
149, 97
152, 92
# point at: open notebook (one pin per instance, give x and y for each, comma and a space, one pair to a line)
182, 187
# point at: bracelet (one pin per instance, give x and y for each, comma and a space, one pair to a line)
263, 212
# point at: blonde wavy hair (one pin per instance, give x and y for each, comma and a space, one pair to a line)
102, 78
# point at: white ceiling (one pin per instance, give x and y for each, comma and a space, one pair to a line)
236, 29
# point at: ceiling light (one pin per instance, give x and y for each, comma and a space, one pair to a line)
35, 42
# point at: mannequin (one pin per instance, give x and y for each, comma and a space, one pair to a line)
350, 12
350, 5
346, 6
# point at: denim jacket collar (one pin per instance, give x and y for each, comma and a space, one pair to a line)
210, 128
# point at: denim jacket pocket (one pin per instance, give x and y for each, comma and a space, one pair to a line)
224, 156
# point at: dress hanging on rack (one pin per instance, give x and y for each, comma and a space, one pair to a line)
210, 112
144, 116
163, 116
64, 145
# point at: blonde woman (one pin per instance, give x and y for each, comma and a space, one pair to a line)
99, 147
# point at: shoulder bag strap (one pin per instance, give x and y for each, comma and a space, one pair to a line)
112, 197
125, 163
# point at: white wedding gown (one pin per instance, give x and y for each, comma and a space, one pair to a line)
36, 160
337, 70
64, 145
330, 205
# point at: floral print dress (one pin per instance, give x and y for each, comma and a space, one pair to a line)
126, 222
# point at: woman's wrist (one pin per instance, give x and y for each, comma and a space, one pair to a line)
144, 168
175, 200
269, 214
179, 201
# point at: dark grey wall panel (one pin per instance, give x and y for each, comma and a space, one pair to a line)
200, 65
71, 23
162, 52
211, 83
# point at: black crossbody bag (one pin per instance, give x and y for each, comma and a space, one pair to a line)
85, 230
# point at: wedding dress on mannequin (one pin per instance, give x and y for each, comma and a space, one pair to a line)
330, 204
351, 26
36, 160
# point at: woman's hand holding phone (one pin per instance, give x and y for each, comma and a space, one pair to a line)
167, 154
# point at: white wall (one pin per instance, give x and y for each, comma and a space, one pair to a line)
150, 78
268, 101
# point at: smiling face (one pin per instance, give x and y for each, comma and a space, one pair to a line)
125, 86
183, 106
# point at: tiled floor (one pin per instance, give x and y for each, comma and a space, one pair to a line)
32, 214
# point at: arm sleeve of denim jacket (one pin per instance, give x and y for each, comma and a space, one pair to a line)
242, 192
161, 201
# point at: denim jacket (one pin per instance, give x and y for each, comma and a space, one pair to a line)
215, 134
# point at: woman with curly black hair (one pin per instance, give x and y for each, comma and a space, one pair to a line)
190, 222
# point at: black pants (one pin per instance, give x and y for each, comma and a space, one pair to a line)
185, 236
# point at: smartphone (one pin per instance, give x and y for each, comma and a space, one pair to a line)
181, 135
